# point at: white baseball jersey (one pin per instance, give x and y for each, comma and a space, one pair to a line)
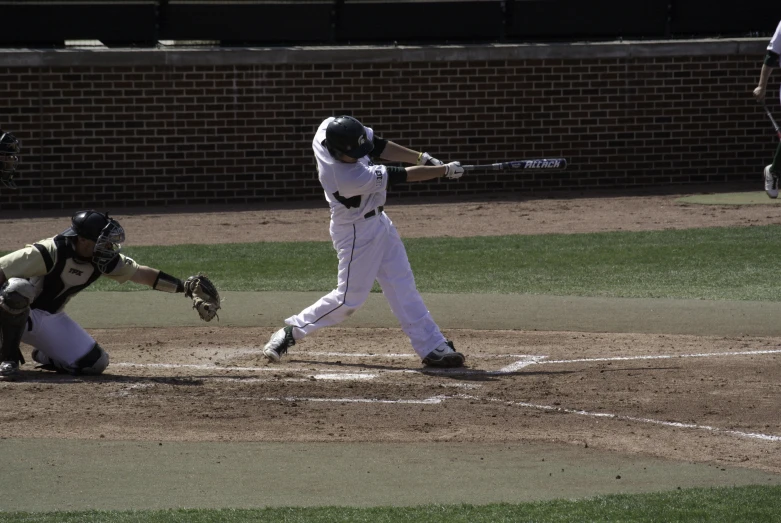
775, 42
369, 249
351, 189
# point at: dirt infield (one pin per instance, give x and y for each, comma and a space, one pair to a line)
701, 399
616, 392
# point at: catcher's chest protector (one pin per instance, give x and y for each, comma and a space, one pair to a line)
65, 278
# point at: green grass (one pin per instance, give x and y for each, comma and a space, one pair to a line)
712, 264
729, 505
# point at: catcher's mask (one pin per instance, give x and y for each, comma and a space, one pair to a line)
106, 232
9, 159
346, 135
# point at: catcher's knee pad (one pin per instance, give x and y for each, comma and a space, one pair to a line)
16, 295
92, 363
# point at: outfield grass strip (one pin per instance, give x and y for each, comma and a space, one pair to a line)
712, 264
754, 504
734, 263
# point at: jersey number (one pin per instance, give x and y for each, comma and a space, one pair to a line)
355, 201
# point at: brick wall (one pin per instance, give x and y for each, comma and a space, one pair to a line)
134, 129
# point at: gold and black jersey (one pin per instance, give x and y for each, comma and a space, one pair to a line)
57, 273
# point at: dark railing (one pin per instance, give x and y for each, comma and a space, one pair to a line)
49, 23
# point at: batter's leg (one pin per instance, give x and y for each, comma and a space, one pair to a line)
360, 252
359, 260
398, 285
775, 167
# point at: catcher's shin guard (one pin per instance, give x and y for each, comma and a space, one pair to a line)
12, 327
15, 298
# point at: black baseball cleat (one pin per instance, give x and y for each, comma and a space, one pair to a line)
444, 356
279, 343
45, 363
9, 370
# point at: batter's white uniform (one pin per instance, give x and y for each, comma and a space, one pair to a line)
775, 46
369, 248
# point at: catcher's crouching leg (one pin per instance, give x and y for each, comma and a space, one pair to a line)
16, 295
91, 364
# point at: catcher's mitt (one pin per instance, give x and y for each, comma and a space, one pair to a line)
206, 299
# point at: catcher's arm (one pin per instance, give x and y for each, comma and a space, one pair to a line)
199, 288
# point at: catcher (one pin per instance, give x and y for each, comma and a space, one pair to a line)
36, 283
9, 158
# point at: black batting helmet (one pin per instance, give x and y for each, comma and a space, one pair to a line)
347, 136
106, 232
9, 150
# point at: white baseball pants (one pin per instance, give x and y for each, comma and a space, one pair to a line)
370, 250
57, 336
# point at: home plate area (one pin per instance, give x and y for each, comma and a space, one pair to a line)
707, 399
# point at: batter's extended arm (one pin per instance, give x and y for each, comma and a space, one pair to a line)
764, 76
420, 173
396, 153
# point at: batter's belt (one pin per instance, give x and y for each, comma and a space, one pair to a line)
373, 212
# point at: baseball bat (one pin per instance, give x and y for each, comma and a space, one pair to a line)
772, 120
536, 163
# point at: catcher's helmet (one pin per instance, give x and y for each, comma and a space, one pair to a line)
106, 232
9, 149
346, 135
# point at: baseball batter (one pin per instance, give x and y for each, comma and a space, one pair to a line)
36, 283
367, 244
772, 171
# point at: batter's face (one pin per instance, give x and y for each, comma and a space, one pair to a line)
347, 159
